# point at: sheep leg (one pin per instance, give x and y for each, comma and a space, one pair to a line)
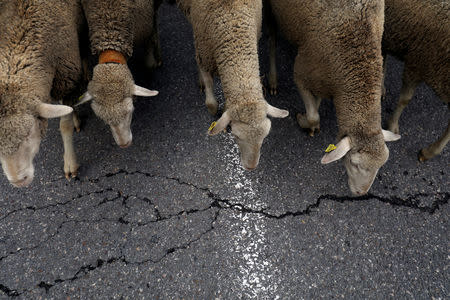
76, 121
272, 59
208, 81
150, 59
155, 38
435, 148
310, 120
383, 87
66, 126
406, 94
270, 22
153, 48
201, 84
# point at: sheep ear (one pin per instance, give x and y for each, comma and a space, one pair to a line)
220, 125
84, 98
276, 112
341, 149
140, 91
49, 111
389, 136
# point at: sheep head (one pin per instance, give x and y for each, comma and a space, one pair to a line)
249, 132
362, 160
111, 91
20, 137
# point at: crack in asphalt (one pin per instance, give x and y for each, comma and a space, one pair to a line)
185, 245
9, 292
222, 203
14, 293
39, 244
34, 208
218, 203
84, 270
393, 200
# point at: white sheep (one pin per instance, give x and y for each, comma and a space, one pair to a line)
39, 60
226, 42
339, 57
418, 32
114, 28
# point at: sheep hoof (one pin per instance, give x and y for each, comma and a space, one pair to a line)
393, 127
313, 127
70, 175
71, 171
422, 157
273, 91
313, 131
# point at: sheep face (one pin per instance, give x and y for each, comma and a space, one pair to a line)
362, 161
21, 137
120, 123
17, 162
111, 90
249, 139
249, 135
362, 168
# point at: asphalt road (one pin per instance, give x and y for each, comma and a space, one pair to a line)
175, 216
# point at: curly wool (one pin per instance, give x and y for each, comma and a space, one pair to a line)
111, 83
13, 130
339, 57
104, 33
39, 58
418, 32
226, 37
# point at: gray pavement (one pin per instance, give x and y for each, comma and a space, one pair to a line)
175, 216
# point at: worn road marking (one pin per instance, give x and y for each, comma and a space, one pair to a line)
256, 273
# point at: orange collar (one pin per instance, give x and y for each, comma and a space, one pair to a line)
111, 56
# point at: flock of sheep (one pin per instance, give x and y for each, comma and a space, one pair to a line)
59, 50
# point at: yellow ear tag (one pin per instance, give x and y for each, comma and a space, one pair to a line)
79, 98
213, 124
330, 148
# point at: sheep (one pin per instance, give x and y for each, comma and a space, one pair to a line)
226, 38
418, 32
39, 61
114, 27
339, 57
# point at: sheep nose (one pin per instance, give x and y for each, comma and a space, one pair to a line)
361, 192
125, 145
250, 167
25, 181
